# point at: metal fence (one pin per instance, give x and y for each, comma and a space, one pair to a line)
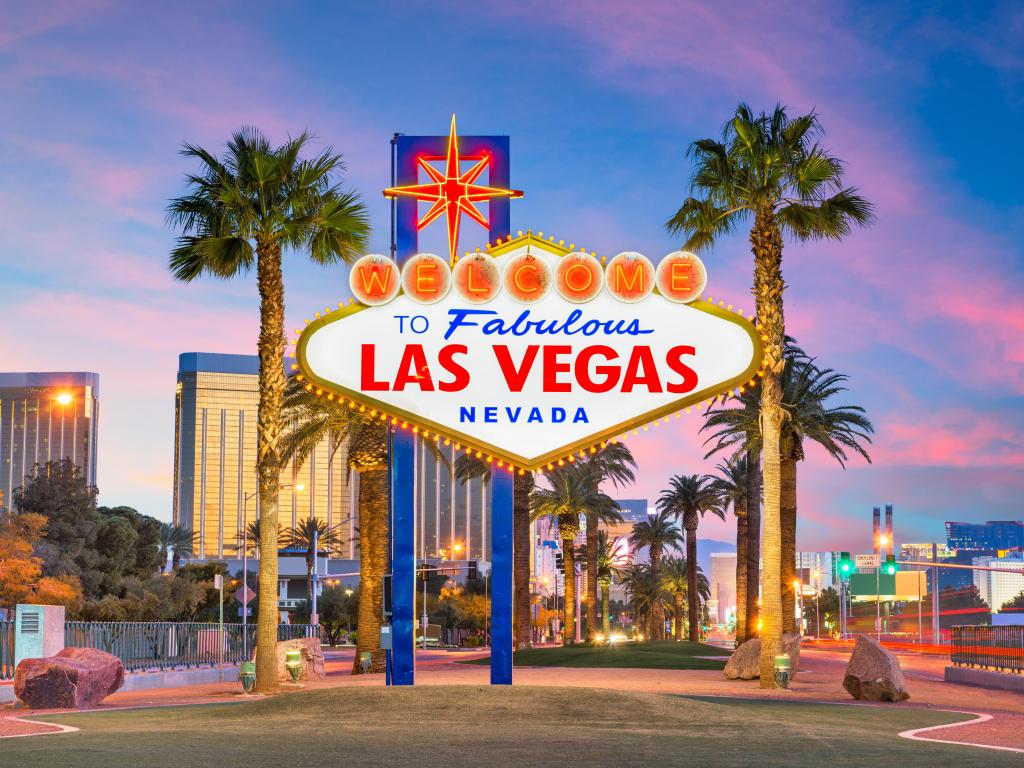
171, 645
1000, 648
6, 650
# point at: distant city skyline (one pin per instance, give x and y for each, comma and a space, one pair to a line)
600, 103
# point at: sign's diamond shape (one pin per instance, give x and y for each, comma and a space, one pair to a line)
530, 383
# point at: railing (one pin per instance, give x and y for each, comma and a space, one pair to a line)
6, 650
171, 645
999, 648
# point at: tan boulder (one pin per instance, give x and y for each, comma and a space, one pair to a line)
76, 678
312, 658
745, 662
874, 673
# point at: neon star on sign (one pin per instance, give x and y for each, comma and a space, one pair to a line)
453, 192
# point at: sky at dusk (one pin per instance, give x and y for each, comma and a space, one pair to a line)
925, 103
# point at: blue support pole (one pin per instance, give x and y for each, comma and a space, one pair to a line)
501, 577
403, 564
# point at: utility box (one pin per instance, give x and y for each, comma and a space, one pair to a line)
38, 631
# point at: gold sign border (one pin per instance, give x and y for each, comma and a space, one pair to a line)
552, 456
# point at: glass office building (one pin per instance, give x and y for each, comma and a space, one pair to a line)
46, 417
215, 489
994, 534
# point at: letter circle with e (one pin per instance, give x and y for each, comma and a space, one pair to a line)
374, 280
426, 278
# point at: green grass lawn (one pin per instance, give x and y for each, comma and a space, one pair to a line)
662, 654
483, 726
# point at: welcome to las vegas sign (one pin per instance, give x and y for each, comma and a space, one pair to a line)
528, 353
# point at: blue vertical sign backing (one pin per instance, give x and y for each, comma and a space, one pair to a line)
403, 498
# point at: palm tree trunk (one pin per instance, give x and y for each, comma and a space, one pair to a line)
657, 628
606, 618
766, 240
788, 527
590, 595
268, 464
373, 560
678, 634
741, 571
691, 581
569, 604
521, 488
753, 543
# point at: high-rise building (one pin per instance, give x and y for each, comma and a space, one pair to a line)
998, 587
46, 417
922, 553
814, 569
453, 518
215, 489
723, 585
994, 534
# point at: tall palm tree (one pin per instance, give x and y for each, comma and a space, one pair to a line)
615, 464
689, 497
768, 167
573, 492
675, 579
179, 540
658, 534
311, 535
607, 568
466, 468
732, 486
840, 430
243, 209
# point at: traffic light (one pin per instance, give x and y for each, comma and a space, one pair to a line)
471, 570
559, 561
845, 565
889, 568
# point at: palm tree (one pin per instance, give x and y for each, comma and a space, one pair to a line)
574, 492
768, 167
243, 209
658, 534
466, 468
607, 568
840, 430
675, 579
318, 421
689, 497
311, 535
643, 595
732, 486
179, 540
613, 463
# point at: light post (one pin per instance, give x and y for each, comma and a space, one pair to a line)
817, 604
798, 597
883, 540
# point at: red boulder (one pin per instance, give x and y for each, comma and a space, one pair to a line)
76, 678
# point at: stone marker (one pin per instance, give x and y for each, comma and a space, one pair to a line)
76, 678
745, 662
312, 658
874, 673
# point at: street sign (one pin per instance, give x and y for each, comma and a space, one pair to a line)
244, 595
867, 561
247, 609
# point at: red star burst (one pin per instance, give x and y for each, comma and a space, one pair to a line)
452, 193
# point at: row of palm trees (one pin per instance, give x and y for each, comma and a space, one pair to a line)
245, 208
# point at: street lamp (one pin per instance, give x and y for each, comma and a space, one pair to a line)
64, 398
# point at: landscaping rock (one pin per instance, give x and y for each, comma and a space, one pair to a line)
745, 662
874, 673
76, 678
312, 658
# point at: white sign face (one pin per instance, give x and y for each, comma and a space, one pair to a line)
529, 383
868, 561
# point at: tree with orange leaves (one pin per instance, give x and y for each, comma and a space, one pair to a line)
21, 578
